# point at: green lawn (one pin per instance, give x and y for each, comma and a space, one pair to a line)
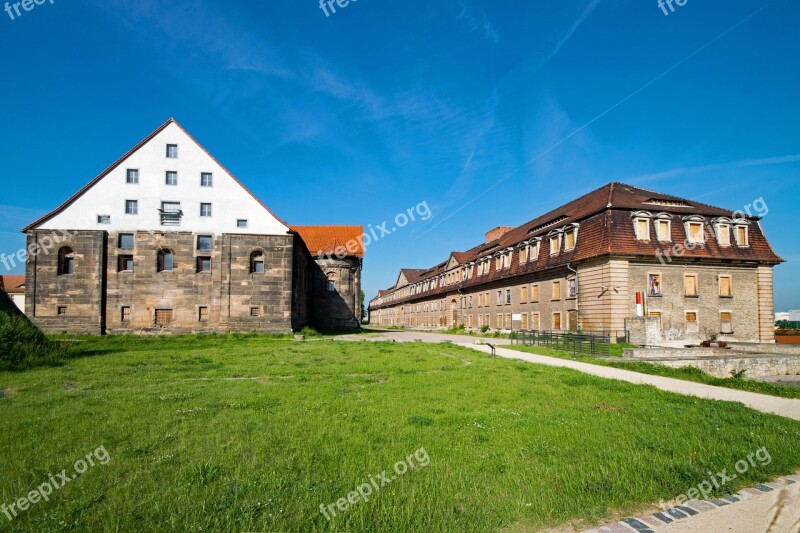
685, 373
253, 434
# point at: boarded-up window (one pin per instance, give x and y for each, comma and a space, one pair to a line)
690, 285
741, 236
557, 321
725, 287
556, 290
642, 229
523, 294
508, 321
535, 293
525, 324
724, 235
163, 316
569, 240
726, 322
692, 326
535, 321
523, 254
499, 322
695, 232
663, 230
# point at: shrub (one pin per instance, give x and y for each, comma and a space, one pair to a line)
484, 329
23, 346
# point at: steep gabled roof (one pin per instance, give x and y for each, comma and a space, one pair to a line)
330, 240
122, 159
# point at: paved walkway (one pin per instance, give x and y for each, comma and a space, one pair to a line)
769, 404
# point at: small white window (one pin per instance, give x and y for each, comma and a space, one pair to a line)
172, 151
642, 226
664, 230
131, 207
205, 210
241, 223
132, 176
172, 177
206, 179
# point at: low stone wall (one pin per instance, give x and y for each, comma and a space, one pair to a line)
754, 347
723, 366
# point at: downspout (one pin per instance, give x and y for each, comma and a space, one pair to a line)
577, 294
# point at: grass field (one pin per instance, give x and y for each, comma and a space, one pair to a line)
253, 434
686, 373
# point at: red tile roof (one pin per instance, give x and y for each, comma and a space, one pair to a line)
12, 284
331, 240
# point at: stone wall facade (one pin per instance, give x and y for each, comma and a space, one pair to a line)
605, 298
102, 294
337, 285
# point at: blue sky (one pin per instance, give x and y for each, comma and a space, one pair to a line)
491, 112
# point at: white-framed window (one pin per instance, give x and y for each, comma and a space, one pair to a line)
555, 243
572, 287
131, 207
642, 226
132, 176
654, 285
206, 179
742, 236
723, 235
205, 210
508, 296
172, 151
663, 225
570, 237
695, 229
171, 178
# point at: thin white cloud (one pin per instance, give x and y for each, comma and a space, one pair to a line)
577, 24
747, 163
477, 21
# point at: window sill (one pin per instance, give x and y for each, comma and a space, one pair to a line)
726, 297
655, 295
693, 297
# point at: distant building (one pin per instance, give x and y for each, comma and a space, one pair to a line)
615, 253
14, 288
167, 240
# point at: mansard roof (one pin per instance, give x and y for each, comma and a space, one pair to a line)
603, 218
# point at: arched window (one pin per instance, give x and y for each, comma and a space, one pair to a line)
165, 261
257, 262
331, 282
66, 261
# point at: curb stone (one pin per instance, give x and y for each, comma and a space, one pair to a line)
687, 510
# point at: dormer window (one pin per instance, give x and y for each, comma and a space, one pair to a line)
535, 247
663, 225
570, 237
555, 243
722, 229
641, 225
695, 229
742, 235
524, 248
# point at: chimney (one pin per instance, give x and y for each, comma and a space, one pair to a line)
496, 233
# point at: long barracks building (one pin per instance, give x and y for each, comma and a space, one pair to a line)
702, 271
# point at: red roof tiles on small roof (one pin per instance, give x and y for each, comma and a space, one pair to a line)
12, 284
330, 240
